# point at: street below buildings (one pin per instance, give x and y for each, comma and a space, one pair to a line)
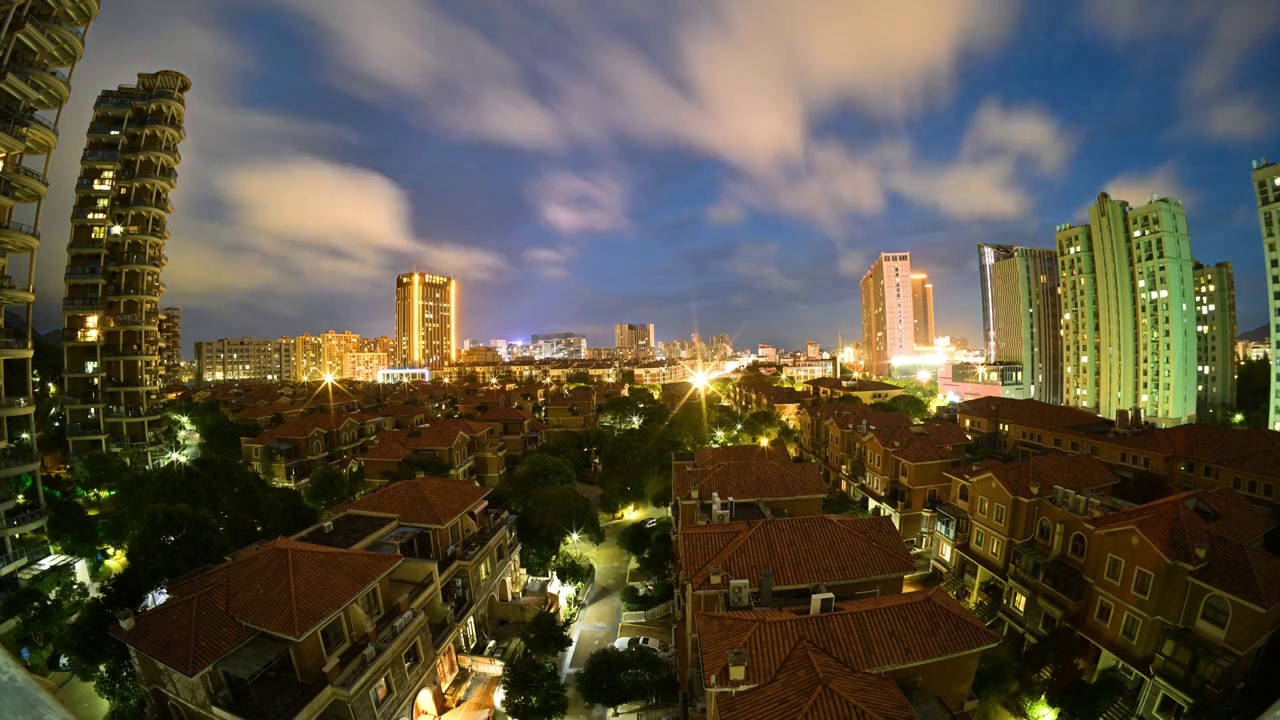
600, 619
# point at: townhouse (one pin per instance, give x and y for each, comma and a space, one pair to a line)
743, 482
287, 454
471, 450
835, 434
519, 432
840, 660
369, 614
904, 472
864, 390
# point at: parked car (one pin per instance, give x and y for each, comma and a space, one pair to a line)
659, 646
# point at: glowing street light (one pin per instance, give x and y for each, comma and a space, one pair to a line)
635, 420
573, 537
923, 376
764, 442
699, 380
328, 377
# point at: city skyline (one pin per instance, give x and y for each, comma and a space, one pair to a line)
740, 238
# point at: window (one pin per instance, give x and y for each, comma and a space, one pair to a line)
1044, 530
333, 636
412, 657
980, 537
944, 551
1215, 611
381, 691
1047, 623
1077, 547
257, 452
983, 506
1169, 708
1102, 613
1000, 510
1142, 582
1017, 601
1129, 627
1114, 570
997, 546
964, 493
369, 604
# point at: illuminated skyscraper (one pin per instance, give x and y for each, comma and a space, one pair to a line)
426, 319
1215, 338
635, 341
922, 309
888, 320
119, 227
1021, 315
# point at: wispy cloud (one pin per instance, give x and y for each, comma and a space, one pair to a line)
576, 204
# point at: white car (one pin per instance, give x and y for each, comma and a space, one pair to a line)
654, 644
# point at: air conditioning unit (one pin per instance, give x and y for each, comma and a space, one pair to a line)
370, 652
719, 517
739, 594
822, 603
222, 698
327, 527
399, 625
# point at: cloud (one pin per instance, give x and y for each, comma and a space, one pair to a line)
576, 204
726, 211
1019, 132
965, 190
551, 263
1238, 117
1138, 187
759, 263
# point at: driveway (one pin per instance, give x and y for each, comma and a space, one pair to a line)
598, 622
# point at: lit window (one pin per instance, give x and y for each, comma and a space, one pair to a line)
1018, 601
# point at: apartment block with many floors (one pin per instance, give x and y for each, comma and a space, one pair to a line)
1021, 317
426, 320
1266, 182
1215, 288
888, 319
119, 227
171, 345
231, 359
369, 614
37, 40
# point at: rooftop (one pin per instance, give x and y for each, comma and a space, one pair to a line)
1073, 472
426, 501
748, 472
345, 531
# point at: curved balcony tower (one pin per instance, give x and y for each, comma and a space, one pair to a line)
40, 43
119, 225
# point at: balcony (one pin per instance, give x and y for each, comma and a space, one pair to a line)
90, 400
162, 96
132, 352
157, 206
132, 412
12, 294
498, 523
1191, 663
83, 274
100, 157
166, 177
388, 628
28, 133
17, 405
18, 237
87, 369
135, 260
12, 346
90, 213
1034, 569
951, 523
127, 321
151, 291
107, 129
87, 246
25, 522
85, 305
17, 460
65, 44
155, 152
28, 185
85, 430
162, 121
49, 86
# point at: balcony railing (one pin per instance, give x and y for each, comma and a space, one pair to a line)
83, 273
89, 213
25, 229
87, 245
386, 633
100, 156
14, 458
12, 343
106, 129
119, 259
82, 304
91, 399
78, 430
131, 411
157, 174
40, 71
17, 401
6, 283
13, 521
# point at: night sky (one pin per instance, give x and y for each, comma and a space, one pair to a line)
705, 165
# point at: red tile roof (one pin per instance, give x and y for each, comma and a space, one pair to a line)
306, 426
926, 442
1175, 524
437, 433
812, 685
873, 635
400, 410
799, 551
1073, 472
283, 587
848, 416
1029, 413
748, 472
1249, 573
428, 501
504, 414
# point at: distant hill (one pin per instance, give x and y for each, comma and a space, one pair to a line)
1262, 333
48, 346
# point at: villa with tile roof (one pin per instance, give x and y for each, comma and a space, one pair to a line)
741, 482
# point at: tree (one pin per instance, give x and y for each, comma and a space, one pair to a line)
428, 464
910, 405
170, 541
42, 611
1083, 700
571, 567
538, 472
533, 691
73, 529
100, 471
549, 517
545, 635
327, 488
614, 677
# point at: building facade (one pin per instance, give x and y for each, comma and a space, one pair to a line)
1266, 182
922, 309
559, 346
334, 347
231, 359
1215, 288
37, 39
119, 226
171, 345
308, 357
888, 317
1128, 311
426, 319
1021, 315
635, 341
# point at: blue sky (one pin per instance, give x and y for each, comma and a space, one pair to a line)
710, 165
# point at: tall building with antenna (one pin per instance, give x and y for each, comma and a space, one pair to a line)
41, 43
119, 227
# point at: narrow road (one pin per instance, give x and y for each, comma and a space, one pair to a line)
598, 622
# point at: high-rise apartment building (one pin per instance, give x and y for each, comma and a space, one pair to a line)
426, 320
1128, 311
1266, 181
308, 357
36, 40
812, 350
635, 342
922, 309
334, 346
1021, 316
559, 346
363, 366
888, 313
171, 345
1215, 289
119, 226
244, 359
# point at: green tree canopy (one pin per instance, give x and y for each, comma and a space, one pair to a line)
537, 472
533, 691
912, 406
42, 611
546, 635
73, 529
328, 487
613, 677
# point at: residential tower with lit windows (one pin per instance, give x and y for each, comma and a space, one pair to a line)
888, 313
41, 43
1215, 289
119, 227
1266, 182
426, 320
1021, 316
1128, 311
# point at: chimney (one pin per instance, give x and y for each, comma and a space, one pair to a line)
737, 665
766, 588
716, 572
693, 492
1202, 550
1034, 486
126, 620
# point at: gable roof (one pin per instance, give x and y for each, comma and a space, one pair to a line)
925, 442
748, 472
1247, 572
1030, 413
848, 416
812, 685
872, 635
799, 551
434, 502
1073, 472
1176, 524
283, 587
437, 433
